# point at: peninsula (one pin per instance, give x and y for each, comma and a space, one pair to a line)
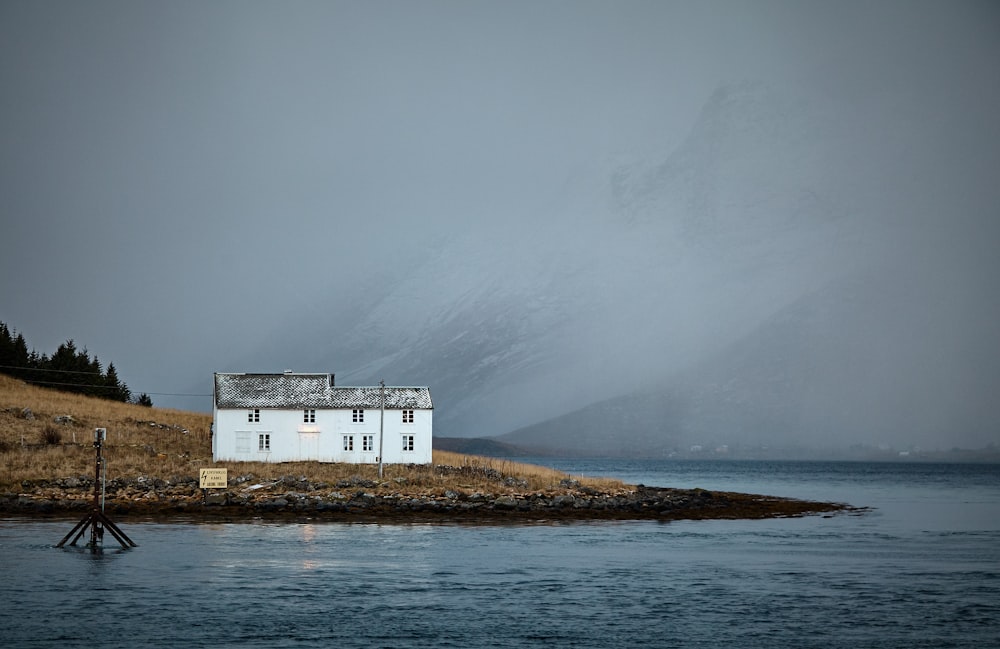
153, 457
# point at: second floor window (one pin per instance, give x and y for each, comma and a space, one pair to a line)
358, 416
348, 442
407, 416
309, 416
253, 416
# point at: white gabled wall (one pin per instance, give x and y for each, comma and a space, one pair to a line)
291, 439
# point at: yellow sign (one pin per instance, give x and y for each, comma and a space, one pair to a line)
213, 478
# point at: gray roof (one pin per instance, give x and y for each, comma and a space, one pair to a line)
294, 391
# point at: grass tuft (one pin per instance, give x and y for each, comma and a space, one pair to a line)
51, 436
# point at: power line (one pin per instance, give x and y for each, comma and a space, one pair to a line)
91, 385
75, 385
43, 369
111, 387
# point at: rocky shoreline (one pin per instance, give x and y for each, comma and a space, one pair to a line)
360, 499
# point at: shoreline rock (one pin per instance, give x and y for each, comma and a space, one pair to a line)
165, 500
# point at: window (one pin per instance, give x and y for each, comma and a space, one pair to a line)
264, 442
253, 416
309, 416
367, 442
407, 416
348, 442
358, 416
407, 442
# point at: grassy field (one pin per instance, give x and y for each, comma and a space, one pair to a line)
55, 440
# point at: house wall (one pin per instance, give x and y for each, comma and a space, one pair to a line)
291, 439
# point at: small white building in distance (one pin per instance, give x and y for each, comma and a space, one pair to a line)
291, 417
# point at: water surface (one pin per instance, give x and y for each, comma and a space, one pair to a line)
921, 570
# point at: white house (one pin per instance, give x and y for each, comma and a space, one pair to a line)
292, 416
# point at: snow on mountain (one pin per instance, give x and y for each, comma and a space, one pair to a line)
650, 271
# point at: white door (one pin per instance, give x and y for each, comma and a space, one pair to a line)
309, 446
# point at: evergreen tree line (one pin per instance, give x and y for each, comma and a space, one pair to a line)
68, 369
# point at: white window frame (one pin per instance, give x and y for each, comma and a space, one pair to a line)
367, 442
309, 416
407, 416
408, 443
349, 443
253, 416
264, 442
358, 416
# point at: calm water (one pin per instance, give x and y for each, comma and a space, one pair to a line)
921, 570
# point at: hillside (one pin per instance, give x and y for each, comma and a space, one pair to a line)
47, 435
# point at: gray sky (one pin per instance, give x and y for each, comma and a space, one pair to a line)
177, 179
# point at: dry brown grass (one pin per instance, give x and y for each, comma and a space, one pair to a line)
163, 443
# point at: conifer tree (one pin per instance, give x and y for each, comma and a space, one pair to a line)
68, 369
115, 389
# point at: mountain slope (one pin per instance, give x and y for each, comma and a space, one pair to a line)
659, 270
855, 363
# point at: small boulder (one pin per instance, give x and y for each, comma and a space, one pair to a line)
563, 501
505, 502
217, 498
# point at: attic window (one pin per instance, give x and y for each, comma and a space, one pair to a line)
407, 416
309, 416
358, 416
253, 416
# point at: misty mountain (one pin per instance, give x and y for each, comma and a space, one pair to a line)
855, 363
762, 278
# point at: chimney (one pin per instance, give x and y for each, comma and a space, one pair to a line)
331, 379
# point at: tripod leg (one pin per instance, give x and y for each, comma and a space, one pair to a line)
72, 532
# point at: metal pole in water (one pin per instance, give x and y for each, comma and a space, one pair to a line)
104, 480
96, 519
94, 528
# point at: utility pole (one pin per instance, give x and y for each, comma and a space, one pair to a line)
381, 426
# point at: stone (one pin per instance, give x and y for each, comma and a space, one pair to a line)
217, 498
505, 502
27, 414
